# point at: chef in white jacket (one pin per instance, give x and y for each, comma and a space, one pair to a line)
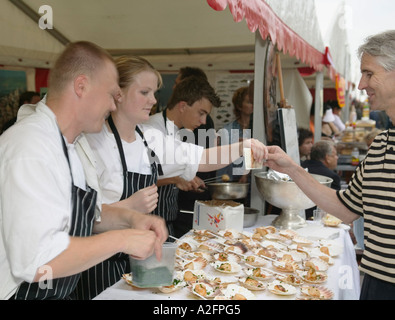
50, 202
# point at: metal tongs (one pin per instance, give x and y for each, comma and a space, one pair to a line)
223, 178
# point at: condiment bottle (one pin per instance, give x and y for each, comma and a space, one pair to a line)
355, 157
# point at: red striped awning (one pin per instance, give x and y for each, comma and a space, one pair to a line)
259, 16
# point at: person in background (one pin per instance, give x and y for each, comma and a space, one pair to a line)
370, 192
186, 199
189, 105
328, 130
188, 108
49, 190
305, 142
336, 110
323, 161
28, 97
237, 130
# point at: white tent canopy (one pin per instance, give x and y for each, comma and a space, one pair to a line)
170, 32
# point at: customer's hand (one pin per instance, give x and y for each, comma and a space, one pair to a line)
258, 149
279, 161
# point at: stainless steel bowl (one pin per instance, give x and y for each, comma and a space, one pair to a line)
250, 217
287, 196
228, 190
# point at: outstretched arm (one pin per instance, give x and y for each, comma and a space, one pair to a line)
321, 195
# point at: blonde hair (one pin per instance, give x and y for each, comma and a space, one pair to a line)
130, 66
78, 58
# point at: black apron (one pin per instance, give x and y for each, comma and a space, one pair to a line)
96, 279
168, 199
83, 216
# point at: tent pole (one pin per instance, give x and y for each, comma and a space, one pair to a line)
319, 85
258, 115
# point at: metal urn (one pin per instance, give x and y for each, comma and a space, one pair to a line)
287, 196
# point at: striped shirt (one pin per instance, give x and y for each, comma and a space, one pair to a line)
371, 194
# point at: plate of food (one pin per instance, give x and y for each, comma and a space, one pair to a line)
281, 288
331, 221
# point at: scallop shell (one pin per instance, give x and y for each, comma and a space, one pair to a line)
237, 247
264, 252
302, 241
334, 251
319, 292
329, 260
188, 244
204, 290
296, 255
256, 236
230, 234
202, 254
252, 284
249, 243
226, 256
255, 261
291, 279
334, 248
204, 233
226, 267
317, 263
191, 276
285, 266
331, 221
196, 264
264, 274
289, 289
236, 292
272, 245
128, 278
290, 234
276, 237
177, 285
322, 277
210, 247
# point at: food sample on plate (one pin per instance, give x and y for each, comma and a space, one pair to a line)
331, 221
230, 264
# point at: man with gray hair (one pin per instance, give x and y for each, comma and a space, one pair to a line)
371, 191
323, 161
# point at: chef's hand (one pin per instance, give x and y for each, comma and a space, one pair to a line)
145, 200
197, 184
153, 223
140, 244
191, 185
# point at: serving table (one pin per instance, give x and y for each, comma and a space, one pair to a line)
343, 275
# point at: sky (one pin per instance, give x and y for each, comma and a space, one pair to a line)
363, 18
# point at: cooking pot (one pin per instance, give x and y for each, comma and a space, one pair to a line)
228, 190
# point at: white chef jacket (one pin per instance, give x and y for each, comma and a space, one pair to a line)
35, 194
177, 158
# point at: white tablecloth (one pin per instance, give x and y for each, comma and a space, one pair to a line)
343, 275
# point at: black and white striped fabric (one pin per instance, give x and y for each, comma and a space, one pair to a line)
96, 279
371, 194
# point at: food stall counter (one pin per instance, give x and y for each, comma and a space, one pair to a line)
337, 278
